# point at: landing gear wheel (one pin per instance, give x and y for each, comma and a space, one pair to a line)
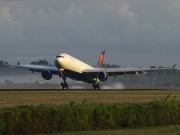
96, 86
62, 85
66, 85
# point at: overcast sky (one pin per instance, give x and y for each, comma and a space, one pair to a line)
133, 32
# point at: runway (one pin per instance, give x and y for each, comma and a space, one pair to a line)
74, 87
64, 90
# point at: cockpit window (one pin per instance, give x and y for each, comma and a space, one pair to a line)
58, 56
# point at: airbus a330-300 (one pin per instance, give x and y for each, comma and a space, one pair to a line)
70, 67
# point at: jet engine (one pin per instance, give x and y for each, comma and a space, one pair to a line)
102, 76
47, 75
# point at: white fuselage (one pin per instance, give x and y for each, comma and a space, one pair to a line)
65, 61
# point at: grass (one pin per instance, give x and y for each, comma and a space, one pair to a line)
13, 98
163, 130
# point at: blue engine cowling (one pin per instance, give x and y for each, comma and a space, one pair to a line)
102, 76
47, 75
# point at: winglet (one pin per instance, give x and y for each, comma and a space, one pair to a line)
101, 59
174, 66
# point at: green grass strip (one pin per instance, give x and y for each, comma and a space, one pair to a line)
44, 119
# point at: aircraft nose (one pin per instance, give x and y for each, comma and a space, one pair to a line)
57, 62
60, 61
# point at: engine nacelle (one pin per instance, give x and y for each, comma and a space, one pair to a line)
47, 75
102, 76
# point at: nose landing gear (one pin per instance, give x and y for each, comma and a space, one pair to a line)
64, 84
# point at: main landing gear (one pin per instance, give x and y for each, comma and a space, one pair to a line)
96, 86
64, 84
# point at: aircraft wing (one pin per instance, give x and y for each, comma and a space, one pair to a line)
36, 68
121, 71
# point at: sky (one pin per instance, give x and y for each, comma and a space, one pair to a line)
133, 32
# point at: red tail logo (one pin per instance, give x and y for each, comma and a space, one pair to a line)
101, 59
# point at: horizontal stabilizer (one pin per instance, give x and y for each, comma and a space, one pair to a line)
174, 66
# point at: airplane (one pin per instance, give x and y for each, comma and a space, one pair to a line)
69, 67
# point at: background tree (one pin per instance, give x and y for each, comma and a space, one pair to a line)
18, 63
2, 63
40, 62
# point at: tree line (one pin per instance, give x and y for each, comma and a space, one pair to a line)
40, 62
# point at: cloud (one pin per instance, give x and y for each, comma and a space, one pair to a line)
5, 13
73, 9
124, 11
172, 6
123, 28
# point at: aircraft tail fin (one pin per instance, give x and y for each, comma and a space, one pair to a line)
101, 59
